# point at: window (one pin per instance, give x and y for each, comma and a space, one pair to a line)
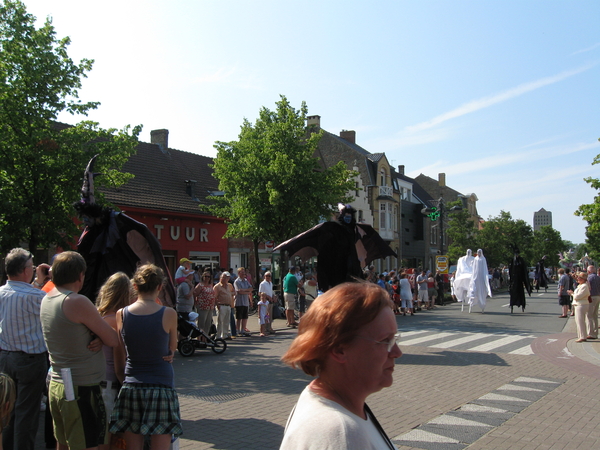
382, 177
433, 235
382, 216
360, 215
395, 219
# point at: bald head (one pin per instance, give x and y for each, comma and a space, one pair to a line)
591, 269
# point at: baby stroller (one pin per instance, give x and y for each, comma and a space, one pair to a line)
191, 335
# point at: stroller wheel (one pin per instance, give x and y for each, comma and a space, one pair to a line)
186, 348
219, 346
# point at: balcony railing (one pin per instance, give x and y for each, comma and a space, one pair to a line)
386, 190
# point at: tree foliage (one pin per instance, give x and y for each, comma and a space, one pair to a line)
499, 233
547, 241
42, 162
273, 186
591, 214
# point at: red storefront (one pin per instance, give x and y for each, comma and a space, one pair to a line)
196, 237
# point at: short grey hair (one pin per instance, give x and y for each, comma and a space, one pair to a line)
16, 260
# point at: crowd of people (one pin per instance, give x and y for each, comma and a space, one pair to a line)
579, 296
114, 358
105, 368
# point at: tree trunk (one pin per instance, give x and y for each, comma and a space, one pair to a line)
256, 264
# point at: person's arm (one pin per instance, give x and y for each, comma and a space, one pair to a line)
119, 353
232, 293
190, 291
79, 309
41, 275
170, 326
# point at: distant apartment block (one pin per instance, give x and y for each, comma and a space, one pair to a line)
541, 218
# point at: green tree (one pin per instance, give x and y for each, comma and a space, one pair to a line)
273, 186
42, 161
547, 241
462, 232
591, 214
497, 236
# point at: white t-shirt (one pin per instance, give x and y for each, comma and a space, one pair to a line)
318, 423
266, 287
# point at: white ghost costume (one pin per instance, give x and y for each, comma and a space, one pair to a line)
463, 275
479, 288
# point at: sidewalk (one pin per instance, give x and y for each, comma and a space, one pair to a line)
241, 399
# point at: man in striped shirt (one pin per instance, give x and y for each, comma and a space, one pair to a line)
24, 356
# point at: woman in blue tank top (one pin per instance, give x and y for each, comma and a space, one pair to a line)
147, 403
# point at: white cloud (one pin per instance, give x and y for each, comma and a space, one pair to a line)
586, 49
485, 102
508, 158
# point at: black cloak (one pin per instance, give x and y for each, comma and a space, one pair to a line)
519, 279
342, 249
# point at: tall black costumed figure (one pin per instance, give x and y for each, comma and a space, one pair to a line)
541, 279
343, 247
114, 242
519, 279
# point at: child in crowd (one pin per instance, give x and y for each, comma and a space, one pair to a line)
263, 315
183, 270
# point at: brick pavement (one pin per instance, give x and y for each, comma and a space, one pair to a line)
241, 399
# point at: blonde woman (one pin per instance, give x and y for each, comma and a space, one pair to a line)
116, 293
7, 401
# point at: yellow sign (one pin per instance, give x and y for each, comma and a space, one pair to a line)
442, 263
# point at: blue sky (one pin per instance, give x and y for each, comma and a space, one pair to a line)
502, 96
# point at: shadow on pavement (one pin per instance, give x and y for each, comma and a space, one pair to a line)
234, 434
449, 358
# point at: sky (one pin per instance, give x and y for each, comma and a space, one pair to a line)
501, 96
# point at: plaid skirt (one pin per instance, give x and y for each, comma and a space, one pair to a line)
146, 409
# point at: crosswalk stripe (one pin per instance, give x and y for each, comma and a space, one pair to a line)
503, 398
471, 407
420, 340
451, 420
515, 387
465, 425
406, 334
424, 436
462, 340
468, 341
522, 351
498, 343
534, 380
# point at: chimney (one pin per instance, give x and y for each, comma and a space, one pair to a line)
348, 135
313, 123
442, 179
190, 189
160, 138
401, 169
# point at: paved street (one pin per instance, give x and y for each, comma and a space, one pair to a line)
486, 381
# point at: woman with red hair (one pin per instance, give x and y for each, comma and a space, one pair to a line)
348, 341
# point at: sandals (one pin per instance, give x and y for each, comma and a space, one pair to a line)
580, 340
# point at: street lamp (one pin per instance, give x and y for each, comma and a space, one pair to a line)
440, 213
